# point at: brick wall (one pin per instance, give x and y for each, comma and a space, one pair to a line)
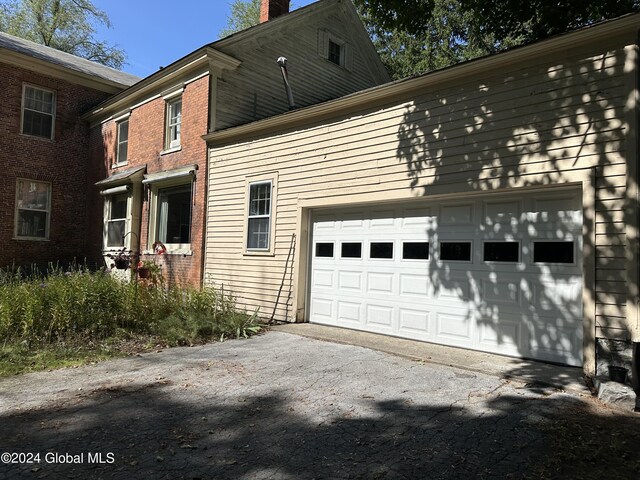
63, 162
146, 142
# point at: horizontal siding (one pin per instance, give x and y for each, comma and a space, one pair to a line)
534, 124
255, 90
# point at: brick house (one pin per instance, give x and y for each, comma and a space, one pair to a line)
149, 159
44, 150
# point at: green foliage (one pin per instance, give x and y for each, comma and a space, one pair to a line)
67, 25
423, 35
63, 307
244, 14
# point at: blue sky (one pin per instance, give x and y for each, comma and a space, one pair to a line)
156, 33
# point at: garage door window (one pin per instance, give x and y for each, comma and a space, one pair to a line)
324, 250
553, 252
351, 250
381, 250
501, 252
415, 250
455, 251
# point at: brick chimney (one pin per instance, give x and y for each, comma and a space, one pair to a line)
270, 9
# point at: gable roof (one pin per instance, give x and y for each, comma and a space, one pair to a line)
627, 25
61, 63
220, 54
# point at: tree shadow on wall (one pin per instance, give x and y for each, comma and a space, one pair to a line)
556, 122
152, 434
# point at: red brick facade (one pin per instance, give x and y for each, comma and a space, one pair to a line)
145, 147
62, 162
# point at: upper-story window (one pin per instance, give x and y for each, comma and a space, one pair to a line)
335, 52
174, 119
38, 111
123, 142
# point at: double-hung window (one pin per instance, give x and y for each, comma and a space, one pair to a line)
117, 220
33, 209
123, 142
173, 123
259, 216
38, 111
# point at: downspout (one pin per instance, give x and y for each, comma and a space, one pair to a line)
635, 359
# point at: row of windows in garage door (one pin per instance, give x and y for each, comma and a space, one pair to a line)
508, 252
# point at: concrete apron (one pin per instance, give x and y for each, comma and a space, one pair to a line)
531, 372
570, 379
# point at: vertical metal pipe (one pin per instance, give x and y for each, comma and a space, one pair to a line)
282, 61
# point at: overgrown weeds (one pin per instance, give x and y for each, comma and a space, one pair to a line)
67, 309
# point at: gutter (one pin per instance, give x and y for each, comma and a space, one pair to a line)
384, 93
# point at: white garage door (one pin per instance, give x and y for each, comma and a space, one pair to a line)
501, 274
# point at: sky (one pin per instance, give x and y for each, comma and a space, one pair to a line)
155, 33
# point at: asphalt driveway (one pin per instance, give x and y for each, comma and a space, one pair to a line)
282, 406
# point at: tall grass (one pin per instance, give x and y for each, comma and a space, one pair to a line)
95, 305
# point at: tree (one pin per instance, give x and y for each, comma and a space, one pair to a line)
244, 14
421, 35
67, 25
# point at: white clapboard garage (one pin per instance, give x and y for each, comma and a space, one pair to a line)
498, 273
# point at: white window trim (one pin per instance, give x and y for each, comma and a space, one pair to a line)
16, 209
172, 145
120, 121
272, 179
326, 36
155, 187
108, 196
53, 114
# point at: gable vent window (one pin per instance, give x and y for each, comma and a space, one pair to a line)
335, 52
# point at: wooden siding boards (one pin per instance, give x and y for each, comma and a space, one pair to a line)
244, 96
539, 123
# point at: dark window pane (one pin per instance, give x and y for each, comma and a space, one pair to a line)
381, 250
415, 250
455, 251
37, 124
175, 215
334, 52
258, 233
115, 233
553, 252
32, 223
324, 249
118, 207
351, 250
501, 251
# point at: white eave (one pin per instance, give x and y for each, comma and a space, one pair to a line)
383, 93
203, 58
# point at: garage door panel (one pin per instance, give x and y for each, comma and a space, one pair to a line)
323, 278
380, 283
350, 312
518, 307
503, 335
379, 316
454, 327
502, 292
415, 286
350, 280
414, 322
